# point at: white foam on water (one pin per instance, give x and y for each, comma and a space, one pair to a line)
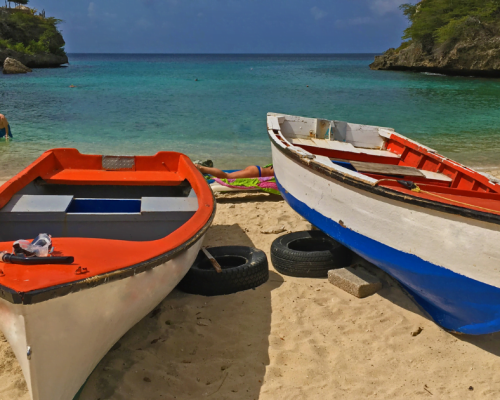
432, 74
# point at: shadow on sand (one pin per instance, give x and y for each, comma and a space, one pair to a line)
489, 343
394, 292
245, 197
193, 347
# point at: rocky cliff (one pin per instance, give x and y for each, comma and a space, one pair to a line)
479, 57
41, 60
32, 39
459, 37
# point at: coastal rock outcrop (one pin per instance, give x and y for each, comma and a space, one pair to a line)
12, 66
43, 60
479, 57
30, 38
448, 37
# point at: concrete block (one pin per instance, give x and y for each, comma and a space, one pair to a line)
355, 280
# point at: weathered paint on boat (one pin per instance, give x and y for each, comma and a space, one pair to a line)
445, 255
59, 323
69, 335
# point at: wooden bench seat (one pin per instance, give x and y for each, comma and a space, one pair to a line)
344, 147
386, 169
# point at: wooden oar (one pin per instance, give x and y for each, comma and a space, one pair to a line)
214, 262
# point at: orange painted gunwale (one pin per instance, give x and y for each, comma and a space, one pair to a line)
462, 177
101, 256
468, 189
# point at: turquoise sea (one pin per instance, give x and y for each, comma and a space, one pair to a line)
141, 104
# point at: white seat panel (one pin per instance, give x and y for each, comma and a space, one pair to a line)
305, 142
342, 146
169, 204
37, 203
321, 143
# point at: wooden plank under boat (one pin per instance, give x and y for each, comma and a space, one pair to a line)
134, 226
430, 222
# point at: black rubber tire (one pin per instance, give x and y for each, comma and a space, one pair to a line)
243, 268
308, 254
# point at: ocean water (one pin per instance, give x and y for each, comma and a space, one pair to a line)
141, 104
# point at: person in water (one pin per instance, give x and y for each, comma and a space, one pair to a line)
4, 128
253, 171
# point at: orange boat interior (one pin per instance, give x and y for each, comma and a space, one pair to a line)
436, 177
109, 213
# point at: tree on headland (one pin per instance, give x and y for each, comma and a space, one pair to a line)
441, 21
26, 32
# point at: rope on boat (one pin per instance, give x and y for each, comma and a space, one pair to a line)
415, 188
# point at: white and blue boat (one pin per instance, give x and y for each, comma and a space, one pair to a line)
430, 222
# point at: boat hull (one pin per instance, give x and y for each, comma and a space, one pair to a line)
69, 335
449, 263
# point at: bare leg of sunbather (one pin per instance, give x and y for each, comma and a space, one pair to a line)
251, 171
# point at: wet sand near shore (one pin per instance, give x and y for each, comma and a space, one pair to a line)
291, 338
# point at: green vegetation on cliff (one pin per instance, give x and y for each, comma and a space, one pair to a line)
458, 37
435, 22
25, 32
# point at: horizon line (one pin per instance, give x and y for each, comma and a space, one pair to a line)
226, 54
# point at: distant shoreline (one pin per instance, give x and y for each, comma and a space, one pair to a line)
230, 54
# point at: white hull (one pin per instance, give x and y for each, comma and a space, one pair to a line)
69, 335
450, 263
464, 246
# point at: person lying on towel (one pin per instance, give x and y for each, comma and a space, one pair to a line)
4, 128
253, 171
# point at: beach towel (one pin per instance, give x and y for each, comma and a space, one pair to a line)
267, 184
2, 132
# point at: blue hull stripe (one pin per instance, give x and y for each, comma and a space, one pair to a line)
455, 302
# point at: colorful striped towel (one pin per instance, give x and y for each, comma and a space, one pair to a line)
267, 184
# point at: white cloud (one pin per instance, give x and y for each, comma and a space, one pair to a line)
317, 13
91, 10
382, 7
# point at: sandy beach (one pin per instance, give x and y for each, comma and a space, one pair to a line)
291, 338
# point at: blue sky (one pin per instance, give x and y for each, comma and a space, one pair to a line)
228, 26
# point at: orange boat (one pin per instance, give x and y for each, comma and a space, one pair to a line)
134, 226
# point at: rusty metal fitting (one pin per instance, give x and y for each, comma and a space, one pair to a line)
81, 271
